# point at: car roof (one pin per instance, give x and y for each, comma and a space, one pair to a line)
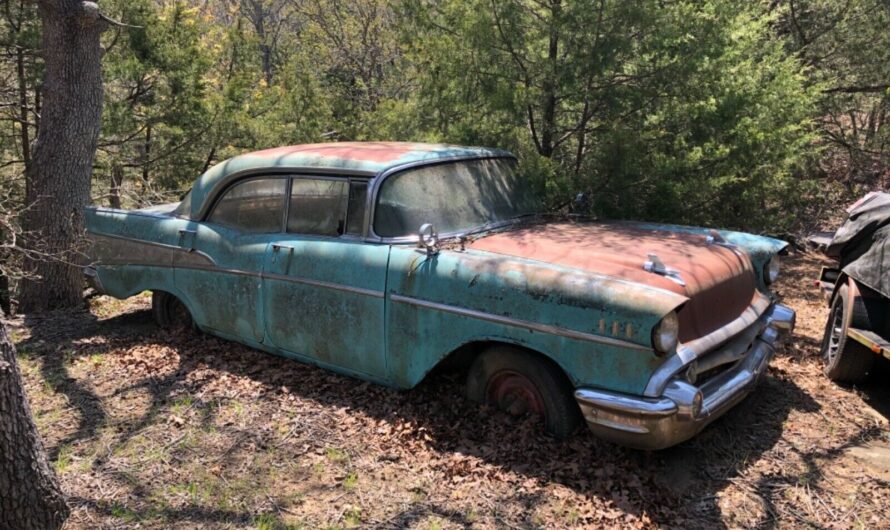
368, 159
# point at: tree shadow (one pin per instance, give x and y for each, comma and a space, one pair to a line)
678, 486
656, 484
51, 343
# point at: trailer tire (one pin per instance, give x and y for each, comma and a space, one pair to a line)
846, 360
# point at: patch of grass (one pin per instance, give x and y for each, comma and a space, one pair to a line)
335, 454
573, 517
418, 495
181, 404
53, 380
119, 511
352, 516
15, 336
63, 460
435, 524
25, 354
350, 482
267, 521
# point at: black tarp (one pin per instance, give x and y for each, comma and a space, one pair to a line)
862, 244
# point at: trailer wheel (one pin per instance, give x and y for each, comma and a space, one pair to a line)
845, 359
169, 312
520, 383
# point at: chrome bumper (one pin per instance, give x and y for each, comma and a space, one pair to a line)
92, 277
683, 409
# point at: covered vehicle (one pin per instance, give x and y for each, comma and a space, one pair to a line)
383, 261
857, 289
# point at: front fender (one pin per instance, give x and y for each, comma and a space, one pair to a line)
595, 327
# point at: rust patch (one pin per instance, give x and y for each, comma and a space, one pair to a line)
359, 151
719, 282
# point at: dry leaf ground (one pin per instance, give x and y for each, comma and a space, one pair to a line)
155, 430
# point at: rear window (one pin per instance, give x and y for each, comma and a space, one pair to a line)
254, 206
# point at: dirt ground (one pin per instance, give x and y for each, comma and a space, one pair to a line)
149, 429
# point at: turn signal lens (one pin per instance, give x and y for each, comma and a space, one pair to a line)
664, 335
771, 271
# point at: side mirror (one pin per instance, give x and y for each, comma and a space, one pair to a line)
428, 239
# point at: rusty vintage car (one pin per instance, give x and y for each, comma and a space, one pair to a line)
383, 261
857, 288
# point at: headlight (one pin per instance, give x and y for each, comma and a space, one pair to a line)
771, 271
664, 335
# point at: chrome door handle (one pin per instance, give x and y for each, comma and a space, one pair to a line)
278, 248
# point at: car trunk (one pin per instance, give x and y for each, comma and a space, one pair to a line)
719, 281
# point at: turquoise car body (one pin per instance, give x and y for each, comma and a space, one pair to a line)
383, 311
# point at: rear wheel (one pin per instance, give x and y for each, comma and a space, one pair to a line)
519, 383
845, 359
169, 312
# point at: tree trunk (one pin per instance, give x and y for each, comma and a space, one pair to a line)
548, 103
5, 301
30, 497
117, 180
24, 133
62, 158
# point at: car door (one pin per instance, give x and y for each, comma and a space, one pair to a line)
323, 286
220, 276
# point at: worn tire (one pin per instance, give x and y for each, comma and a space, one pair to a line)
846, 360
509, 378
169, 312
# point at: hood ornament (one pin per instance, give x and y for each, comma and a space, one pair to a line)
716, 238
656, 266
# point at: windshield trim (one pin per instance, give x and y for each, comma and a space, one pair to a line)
378, 182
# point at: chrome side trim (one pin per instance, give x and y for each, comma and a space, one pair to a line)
116, 251
292, 279
327, 285
113, 249
525, 324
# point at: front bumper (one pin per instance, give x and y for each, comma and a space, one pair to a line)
92, 278
683, 409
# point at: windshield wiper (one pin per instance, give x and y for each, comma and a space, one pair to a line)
491, 225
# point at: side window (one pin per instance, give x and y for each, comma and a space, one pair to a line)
254, 206
317, 207
358, 199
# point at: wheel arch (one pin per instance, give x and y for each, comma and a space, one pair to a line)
462, 357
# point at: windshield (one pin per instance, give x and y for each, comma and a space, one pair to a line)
454, 197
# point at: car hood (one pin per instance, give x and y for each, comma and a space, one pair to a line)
719, 281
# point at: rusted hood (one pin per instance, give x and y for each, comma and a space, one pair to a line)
719, 281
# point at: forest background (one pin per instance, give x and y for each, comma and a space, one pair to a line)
765, 116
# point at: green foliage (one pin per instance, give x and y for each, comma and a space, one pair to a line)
705, 112
689, 112
846, 47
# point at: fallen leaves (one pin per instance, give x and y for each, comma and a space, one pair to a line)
200, 432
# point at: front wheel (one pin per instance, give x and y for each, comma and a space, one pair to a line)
169, 312
846, 360
520, 383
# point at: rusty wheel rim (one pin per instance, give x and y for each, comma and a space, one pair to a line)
515, 394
